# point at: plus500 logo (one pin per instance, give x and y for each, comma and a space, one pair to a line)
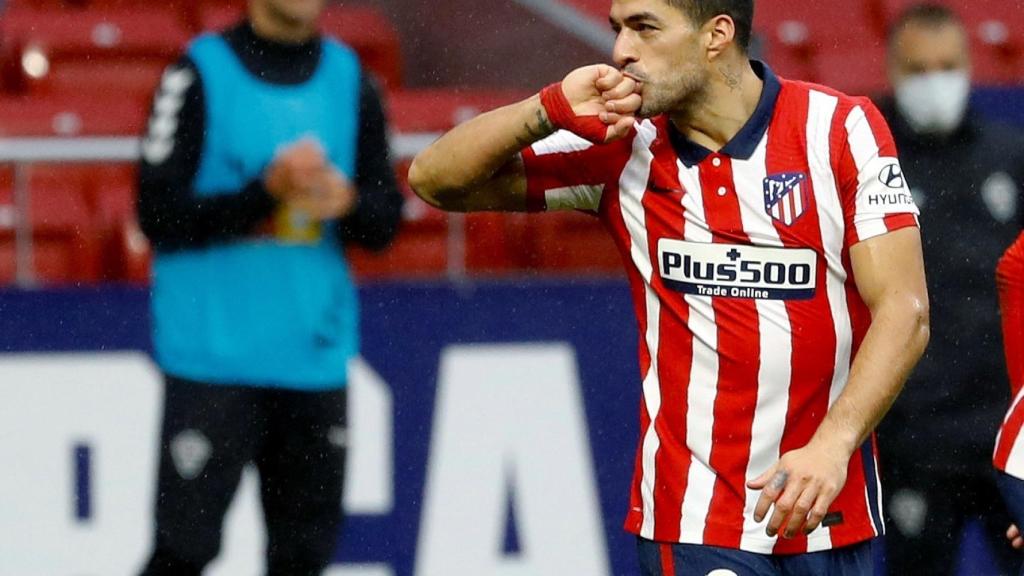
734, 271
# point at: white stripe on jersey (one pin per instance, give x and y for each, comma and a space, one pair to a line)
703, 386
561, 142
580, 197
1015, 460
879, 530
864, 148
632, 187
776, 340
821, 111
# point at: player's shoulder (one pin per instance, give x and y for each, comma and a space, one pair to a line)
800, 90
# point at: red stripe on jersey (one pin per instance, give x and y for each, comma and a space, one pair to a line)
894, 222
668, 565
664, 214
879, 127
814, 335
738, 344
594, 165
611, 215
853, 496
852, 502
1010, 431
543, 174
847, 171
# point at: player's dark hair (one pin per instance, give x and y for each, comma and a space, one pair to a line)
741, 12
926, 14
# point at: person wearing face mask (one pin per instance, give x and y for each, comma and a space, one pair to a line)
965, 176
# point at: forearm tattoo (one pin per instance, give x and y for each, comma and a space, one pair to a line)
539, 128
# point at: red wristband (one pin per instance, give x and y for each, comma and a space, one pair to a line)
561, 115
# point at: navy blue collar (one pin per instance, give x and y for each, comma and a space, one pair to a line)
744, 144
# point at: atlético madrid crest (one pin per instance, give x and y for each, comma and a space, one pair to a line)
786, 197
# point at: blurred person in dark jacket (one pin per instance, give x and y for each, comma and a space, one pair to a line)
966, 178
266, 155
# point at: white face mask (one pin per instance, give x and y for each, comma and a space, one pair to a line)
934, 103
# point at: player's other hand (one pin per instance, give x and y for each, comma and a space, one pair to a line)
294, 169
603, 103
1015, 537
329, 195
801, 486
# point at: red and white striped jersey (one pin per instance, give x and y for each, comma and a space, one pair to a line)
1009, 451
749, 316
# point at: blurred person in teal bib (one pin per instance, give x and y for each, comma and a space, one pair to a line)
266, 155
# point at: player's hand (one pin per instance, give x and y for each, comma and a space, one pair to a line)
600, 103
295, 169
592, 89
1015, 537
801, 486
329, 195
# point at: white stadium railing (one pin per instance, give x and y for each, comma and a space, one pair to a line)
24, 152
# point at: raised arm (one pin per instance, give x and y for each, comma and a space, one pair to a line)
477, 166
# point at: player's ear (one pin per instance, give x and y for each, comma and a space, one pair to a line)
720, 32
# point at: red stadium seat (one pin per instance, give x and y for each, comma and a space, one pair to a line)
65, 248
439, 109
498, 243
596, 9
996, 29
421, 247
417, 252
814, 25
135, 81
797, 32
858, 73
573, 243
139, 32
126, 252
216, 17
70, 116
371, 35
112, 53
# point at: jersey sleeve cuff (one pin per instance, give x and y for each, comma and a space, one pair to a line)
867, 229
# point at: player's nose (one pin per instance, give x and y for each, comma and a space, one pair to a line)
624, 51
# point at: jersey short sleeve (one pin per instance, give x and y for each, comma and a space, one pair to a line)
875, 192
566, 172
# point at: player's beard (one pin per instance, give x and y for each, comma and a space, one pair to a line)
678, 94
